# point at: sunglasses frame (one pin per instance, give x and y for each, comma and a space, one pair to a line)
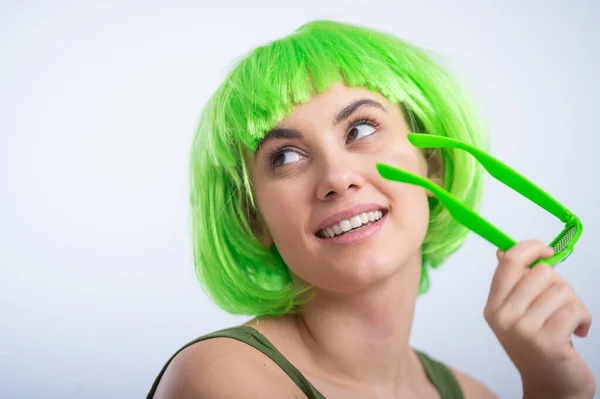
504, 174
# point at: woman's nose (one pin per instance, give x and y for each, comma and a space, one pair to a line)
338, 174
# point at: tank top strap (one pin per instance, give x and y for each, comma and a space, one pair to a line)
441, 377
255, 339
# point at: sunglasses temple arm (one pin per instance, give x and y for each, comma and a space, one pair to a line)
522, 185
473, 221
500, 171
460, 212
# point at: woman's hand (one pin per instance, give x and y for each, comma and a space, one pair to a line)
533, 312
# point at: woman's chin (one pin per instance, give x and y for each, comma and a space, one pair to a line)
360, 276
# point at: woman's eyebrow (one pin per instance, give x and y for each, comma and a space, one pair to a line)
349, 109
340, 116
279, 133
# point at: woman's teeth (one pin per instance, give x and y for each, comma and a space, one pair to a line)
354, 223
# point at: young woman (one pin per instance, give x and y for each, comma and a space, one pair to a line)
293, 224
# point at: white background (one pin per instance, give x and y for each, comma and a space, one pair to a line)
98, 105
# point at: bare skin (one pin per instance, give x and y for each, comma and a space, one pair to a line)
356, 330
352, 339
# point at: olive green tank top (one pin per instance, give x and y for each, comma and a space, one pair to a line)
439, 375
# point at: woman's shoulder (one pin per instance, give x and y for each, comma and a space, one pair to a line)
221, 367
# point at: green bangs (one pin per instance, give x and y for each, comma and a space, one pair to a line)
265, 86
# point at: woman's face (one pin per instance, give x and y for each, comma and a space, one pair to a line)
321, 161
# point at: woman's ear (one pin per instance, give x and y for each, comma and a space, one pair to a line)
435, 167
259, 228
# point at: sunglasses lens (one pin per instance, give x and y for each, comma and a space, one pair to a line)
560, 242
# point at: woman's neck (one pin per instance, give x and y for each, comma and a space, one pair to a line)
364, 337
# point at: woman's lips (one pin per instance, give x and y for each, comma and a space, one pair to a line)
359, 234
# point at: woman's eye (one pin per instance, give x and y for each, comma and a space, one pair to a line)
359, 131
282, 157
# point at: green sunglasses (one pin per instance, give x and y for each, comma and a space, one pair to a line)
563, 244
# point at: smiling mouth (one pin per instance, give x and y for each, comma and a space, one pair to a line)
321, 233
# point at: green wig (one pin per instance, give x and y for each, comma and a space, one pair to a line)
239, 274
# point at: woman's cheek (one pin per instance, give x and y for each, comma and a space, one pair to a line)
282, 215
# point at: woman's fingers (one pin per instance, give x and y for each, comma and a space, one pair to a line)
572, 317
513, 264
546, 304
532, 284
